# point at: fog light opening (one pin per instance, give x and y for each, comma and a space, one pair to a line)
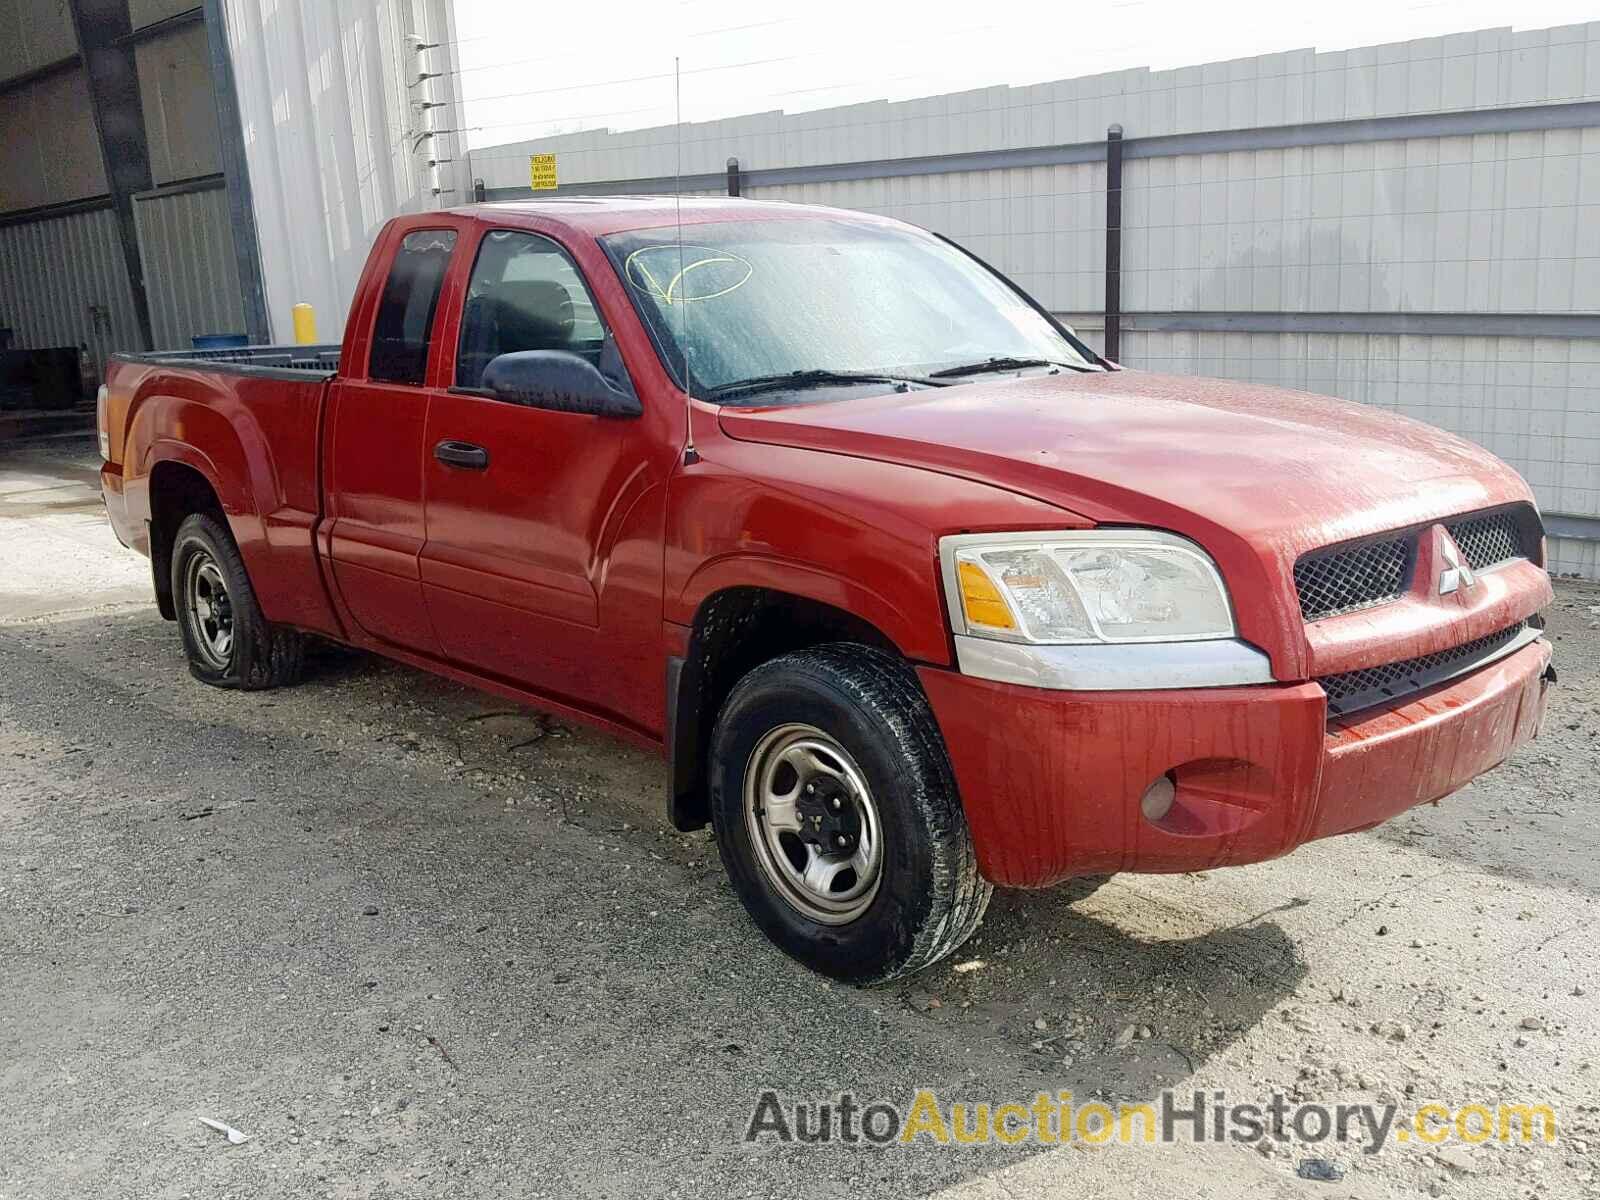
1157, 800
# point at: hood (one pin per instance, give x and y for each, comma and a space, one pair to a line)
1257, 475
1282, 469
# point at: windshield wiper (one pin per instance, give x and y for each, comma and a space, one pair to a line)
1002, 364
811, 379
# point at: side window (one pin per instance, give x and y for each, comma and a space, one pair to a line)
405, 314
525, 294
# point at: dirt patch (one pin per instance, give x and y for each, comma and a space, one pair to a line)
415, 941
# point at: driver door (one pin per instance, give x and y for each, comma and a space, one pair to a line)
542, 564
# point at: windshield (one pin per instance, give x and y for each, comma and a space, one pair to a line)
757, 299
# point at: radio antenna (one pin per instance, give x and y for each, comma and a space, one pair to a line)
690, 454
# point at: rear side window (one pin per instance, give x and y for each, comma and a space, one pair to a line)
405, 314
525, 294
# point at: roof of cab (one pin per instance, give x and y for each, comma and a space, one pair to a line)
601, 215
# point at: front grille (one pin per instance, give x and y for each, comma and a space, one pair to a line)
1375, 685
1344, 580
1489, 540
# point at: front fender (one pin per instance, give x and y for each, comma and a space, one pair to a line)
748, 569
858, 535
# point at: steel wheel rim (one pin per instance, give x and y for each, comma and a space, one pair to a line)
210, 610
821, 849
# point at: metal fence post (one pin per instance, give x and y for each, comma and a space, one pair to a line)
1113, 330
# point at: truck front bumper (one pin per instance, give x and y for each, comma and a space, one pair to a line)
1052, 781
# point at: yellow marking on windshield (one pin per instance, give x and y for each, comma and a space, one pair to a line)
706, 262
654, 288
640, 275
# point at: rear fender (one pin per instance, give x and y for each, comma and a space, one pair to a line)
167, 429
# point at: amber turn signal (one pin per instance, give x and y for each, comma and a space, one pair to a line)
981, 600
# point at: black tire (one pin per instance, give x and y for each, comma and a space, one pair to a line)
258, 655
929, 896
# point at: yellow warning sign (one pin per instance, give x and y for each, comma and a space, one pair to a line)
543, 169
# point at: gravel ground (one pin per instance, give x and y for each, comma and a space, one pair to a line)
416, 943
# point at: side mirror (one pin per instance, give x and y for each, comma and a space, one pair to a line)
558, 380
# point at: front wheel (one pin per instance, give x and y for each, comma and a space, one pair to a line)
228, 641
837, 816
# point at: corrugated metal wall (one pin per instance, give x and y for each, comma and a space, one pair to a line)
1491, 223
1488, 224
1045, 227
64, 282
1484, 69
47, 136
330, 141
191, 274
180, 104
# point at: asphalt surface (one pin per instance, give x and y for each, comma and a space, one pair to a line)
414, 942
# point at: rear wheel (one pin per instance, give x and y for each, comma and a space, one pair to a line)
228, 642
837, 815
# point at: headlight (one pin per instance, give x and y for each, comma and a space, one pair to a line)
1084, 586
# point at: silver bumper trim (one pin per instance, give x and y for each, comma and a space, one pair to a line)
1126, 666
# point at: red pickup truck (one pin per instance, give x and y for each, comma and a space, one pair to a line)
916, 592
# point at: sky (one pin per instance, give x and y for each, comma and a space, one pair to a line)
530, 68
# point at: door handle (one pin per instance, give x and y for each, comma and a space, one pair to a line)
462, 454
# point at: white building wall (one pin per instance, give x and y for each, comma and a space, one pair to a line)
331, 136
1500, 223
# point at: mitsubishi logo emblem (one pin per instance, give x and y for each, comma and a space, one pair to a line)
1456, 575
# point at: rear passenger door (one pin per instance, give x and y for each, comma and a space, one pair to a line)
378, 420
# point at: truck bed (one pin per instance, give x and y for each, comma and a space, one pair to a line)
249, 422
269, 362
